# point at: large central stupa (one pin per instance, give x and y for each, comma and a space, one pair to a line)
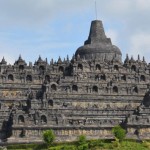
98, 45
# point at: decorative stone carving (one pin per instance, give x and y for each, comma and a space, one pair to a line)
86, 95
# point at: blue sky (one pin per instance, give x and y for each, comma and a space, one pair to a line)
53, 28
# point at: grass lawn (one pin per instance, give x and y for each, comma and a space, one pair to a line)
92, 145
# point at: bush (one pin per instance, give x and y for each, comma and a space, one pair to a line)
119, 133
146, 144
48, 137
3, 148
69, 147
40, 146
115, 144
56, 148
82, 143
21, 146
82, 140
96, 143
83, 147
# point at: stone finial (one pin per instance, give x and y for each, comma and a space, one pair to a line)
127, 59
132, 59
46, 61
97, 33
67, 58
144, 59
20, 58
52, 62
59, 60
3, 61
138, 57
40, 59
19, 61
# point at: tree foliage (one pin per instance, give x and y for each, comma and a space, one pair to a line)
82, 143
48, 136
82, 140
119, 132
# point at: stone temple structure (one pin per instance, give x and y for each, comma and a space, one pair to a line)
89, 94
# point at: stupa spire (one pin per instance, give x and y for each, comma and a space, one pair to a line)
97, 33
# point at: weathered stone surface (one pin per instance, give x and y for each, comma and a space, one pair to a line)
89, 94
98, 45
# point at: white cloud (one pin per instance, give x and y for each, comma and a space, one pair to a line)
143, 4
7, 53
140, 44
37, 12
127, 24
113, 35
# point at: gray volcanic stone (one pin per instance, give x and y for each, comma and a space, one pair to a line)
98, 45
89, 94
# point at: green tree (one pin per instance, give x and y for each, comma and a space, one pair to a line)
119, 133
82, 143
82, 140
48, 136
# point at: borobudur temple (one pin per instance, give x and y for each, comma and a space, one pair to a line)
89, 94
